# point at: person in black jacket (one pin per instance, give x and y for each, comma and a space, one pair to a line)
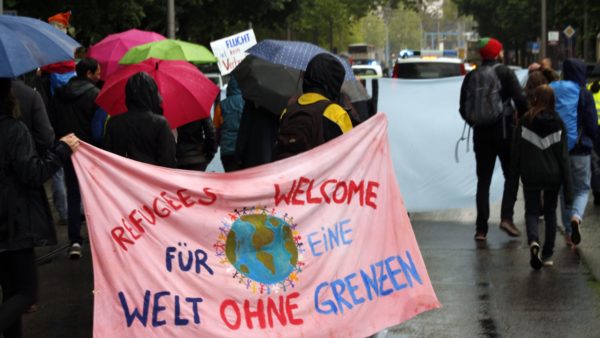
196, 144
541, 159
491, 141
142, 133
72, 110
25, 220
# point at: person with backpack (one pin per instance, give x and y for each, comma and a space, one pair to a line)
316, 116
575, 105
540, 158
485, 104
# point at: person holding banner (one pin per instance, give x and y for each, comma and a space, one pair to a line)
25, 219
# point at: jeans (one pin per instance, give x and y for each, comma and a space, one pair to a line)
581, 172
18, 277
532, 215
59, 193
73, 203
490, 143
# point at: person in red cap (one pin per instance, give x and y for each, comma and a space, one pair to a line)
60, 21
485, 104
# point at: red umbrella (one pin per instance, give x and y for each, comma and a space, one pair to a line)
111, 49
187, 94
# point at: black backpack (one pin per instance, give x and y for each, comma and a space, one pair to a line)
300, 129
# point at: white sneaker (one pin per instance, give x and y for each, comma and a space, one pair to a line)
535, 261
547, 261
75, 251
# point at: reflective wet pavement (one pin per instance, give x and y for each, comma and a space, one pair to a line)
486, 291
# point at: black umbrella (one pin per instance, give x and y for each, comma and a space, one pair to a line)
267, 84
271, 85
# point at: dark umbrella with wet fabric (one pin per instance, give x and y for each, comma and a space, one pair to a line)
267, 84
271, 85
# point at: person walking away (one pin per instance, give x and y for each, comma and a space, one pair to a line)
576, 107
316, 116
256, 136
25, 219
196, 144
228, 114
541, 159
492, 123
594, 88
142, 133
73, 107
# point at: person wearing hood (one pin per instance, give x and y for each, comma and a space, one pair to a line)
228, 114
315, 117
142, 133
71, 111
576, 107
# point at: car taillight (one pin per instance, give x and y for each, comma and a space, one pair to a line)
463, 70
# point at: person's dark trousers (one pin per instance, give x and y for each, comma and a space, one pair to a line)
532, 216
489, 143
18, 277
73, 203
230, 163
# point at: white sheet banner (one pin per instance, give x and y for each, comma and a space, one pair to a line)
232, 50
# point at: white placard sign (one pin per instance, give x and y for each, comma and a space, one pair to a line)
232, 50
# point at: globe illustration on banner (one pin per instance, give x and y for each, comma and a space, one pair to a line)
262, 248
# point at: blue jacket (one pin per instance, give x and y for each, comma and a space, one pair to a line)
231, 110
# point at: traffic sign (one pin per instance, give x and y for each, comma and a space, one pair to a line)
569, 31
553, 36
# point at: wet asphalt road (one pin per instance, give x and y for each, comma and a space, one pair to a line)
486, 291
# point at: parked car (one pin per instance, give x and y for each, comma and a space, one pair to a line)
428, 68
367, 71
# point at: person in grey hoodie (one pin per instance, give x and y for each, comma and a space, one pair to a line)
574, 71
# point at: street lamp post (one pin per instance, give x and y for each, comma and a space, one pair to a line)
171, 19
544, 34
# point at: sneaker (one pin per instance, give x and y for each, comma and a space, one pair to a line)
575, 235
510, 228
480, 236
75, 251
547, 261
535, 261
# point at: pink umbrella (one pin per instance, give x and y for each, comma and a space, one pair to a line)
111, 49
187, 94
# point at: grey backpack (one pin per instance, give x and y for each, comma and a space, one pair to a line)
483, 103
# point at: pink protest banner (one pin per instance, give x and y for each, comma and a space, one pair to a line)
316, 245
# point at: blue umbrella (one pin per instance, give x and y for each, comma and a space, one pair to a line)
294, 54
27, 43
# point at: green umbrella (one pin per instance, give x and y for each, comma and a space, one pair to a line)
169, 50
